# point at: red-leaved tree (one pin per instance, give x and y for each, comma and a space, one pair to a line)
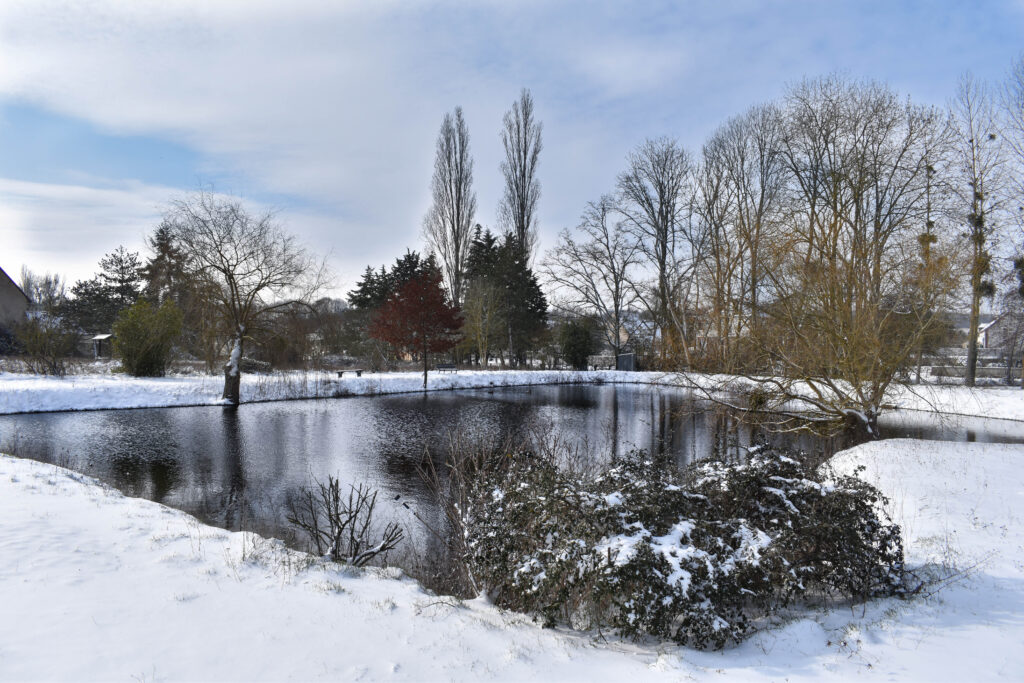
419, 319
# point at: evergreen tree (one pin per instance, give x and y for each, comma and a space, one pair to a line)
371, 291
95, 303
90, 306
408, 268
526, 307
578, 343
120, 274
484, 308
484, 254
165, 274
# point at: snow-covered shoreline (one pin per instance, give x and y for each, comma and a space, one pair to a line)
33, 393
21, 393
96, 585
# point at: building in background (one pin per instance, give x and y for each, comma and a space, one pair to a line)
13, 302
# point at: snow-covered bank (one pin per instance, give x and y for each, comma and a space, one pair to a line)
1002, 403
33, 393
20, 393
98, 586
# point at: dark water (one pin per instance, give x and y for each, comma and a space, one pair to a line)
235, 469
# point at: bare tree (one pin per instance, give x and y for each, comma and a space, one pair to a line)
981, 162
594, 272
718, 273
246, 263
846, 298
46, 292
754, 166
484, 316
521, 138
851, 301
1012, 101
449, 224
651, 198
738, 210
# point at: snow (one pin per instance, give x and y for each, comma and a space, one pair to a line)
95, 585
236, 356
1005, 403
23, 393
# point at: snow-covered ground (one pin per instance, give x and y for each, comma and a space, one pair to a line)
94, 585
22, 393
1004, 403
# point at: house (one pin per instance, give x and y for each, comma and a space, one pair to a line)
13, 301
1004, 333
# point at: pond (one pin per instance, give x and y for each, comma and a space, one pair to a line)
236, 469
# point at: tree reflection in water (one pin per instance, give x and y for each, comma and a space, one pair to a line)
236, 468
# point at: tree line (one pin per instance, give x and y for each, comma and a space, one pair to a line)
813, 246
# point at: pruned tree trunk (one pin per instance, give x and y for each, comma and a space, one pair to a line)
233, 371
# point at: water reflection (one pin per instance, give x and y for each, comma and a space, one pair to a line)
236, 468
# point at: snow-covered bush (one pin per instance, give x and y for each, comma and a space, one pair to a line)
697, 555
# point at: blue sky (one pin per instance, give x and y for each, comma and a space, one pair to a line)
327, 112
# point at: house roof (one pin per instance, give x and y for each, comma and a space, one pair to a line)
989, 324
14, 284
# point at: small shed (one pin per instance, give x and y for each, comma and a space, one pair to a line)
102, 345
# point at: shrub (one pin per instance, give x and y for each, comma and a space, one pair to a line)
48, 343
144, 337
697, 556
341, 526
252, 365
9, 345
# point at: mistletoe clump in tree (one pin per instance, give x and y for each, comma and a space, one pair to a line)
419, 319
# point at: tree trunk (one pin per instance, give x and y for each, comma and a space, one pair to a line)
972, 335
863, 427
426, 360
920, 359
233, 371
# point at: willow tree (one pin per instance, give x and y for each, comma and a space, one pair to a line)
247, 264
848, 300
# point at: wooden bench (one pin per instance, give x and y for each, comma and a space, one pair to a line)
359, 373
446, 367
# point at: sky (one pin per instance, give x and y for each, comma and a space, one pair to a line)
327, 112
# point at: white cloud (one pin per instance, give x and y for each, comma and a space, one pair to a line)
622, 69
339, 103
67, 228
